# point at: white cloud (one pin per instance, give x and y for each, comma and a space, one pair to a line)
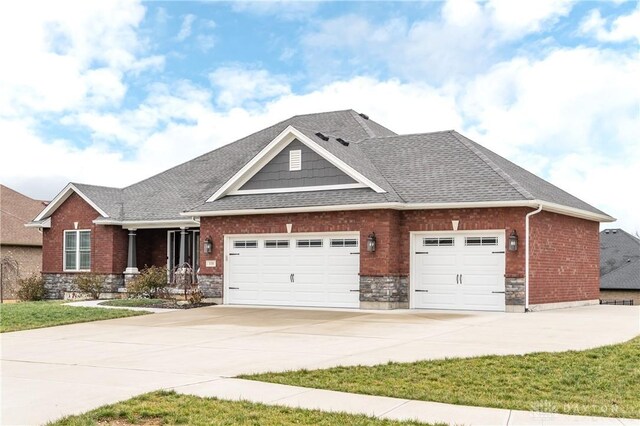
185, 28
459, 42
288, 10
623, 28
69, 54
237, 85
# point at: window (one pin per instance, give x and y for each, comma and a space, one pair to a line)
77, 250
295, 160
344, 242
245, 244
276, 244
481, 241
308, 243
435, 242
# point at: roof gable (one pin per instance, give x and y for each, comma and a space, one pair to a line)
272, 149
277, 174
72, 188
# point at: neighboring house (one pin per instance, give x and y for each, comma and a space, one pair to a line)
19, 246
335, 210
619, 266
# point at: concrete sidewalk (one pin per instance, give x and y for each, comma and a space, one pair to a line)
97, 304
384, 407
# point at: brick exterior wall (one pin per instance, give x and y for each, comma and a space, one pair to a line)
151, 247
108, 243
29, 259
564, 259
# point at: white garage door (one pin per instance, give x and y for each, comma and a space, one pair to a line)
459, 271
294, 270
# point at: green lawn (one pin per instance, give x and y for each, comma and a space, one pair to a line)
169, 408
28, 315
599, 382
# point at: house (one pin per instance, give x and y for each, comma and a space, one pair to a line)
20, 248
335, 210
619, 266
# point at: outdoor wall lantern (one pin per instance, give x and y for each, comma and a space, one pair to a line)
513, 241
371, 242
208, 245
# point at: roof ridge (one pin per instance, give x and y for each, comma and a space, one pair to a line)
504, 175
631, 236
360, 120
406, 134
96, 186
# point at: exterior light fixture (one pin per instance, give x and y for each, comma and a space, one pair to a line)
208, 245
371, 242
513, 241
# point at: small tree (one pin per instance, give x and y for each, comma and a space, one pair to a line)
151, 282
90, 283
31, 288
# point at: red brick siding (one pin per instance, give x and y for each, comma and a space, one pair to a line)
151, 248
108, 243
382, 262
565, 259
391, 227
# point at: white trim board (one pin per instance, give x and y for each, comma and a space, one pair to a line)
274, 147
150, 224
62, 197
298, 189
550, 207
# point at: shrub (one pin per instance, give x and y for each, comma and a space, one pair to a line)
31, 288
151, 282
90, 283
195, 296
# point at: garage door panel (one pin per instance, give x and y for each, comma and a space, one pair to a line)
466, 273
295, 271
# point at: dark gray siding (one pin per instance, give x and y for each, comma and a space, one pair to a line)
315, 171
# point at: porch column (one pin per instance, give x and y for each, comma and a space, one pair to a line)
132, 267
183, 243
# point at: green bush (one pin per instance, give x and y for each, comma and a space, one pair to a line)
31, 288
151, 282
90, 283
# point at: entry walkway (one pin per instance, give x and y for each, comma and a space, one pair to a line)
384, 407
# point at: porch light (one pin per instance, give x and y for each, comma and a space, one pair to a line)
371, 242
208, 245
513, 241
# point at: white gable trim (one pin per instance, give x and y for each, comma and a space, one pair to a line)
62, 197
298, 189
273, 148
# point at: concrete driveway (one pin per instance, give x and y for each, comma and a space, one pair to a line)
48, 373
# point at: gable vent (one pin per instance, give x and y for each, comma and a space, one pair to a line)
323, 137
365, 116
342, 141
295, 160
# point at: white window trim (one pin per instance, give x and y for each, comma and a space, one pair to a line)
64, 250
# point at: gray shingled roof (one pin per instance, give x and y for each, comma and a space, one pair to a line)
438, 167
619, 260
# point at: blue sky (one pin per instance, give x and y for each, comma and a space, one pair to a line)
111, 92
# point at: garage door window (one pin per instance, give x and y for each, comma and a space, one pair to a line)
308, 243
245, 244
437, 242
481, 241
276, 244
344, 242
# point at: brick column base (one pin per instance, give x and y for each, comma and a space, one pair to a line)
211, 287
514, 294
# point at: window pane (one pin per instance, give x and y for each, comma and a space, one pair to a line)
70, 240
276, 243
70, 260
245, 244
344, 242
85, 260
309, 243
85, 240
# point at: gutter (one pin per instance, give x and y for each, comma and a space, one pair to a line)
526, 257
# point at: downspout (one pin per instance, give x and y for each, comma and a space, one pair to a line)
526, 257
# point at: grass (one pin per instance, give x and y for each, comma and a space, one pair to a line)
599, 382
169, 408
28, 315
